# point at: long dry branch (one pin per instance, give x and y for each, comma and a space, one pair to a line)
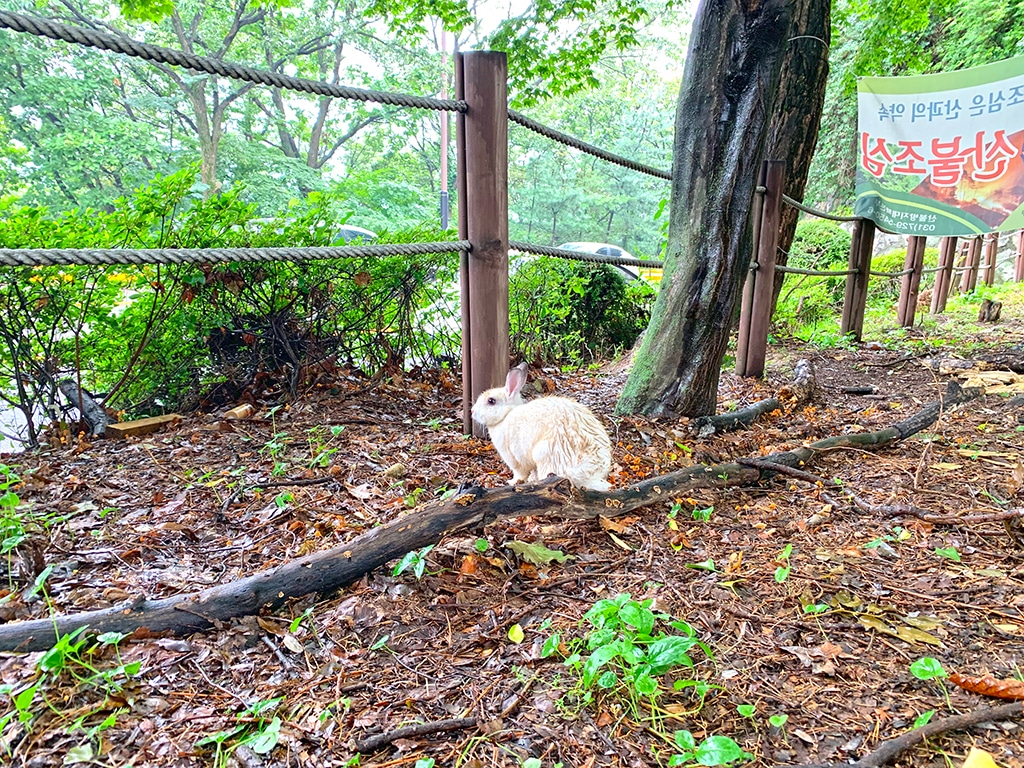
472, 508
889, 750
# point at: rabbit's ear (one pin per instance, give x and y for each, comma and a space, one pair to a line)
515, 380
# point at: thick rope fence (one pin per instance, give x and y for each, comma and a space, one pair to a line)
37, 257
123, 45
105, 41
582, 146
594, 258
56, 30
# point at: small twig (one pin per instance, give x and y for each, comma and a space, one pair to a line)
277, 652
518, 699
922, 465
885, 510
988, 517
285, 483
372, 743
888, 750
220, 688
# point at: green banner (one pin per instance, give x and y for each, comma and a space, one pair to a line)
941, 154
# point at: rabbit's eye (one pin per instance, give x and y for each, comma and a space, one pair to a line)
491, 401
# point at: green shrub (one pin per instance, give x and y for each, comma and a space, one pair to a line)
807, 301
573, 312
819, 244
887, 289
156, 338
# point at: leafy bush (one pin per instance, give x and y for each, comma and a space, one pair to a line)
806, 301
886, 290
820, 244
571, 311
159, 337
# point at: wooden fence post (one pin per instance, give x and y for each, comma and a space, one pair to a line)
991, 252
1018, 272
944, 277
746, 302
481, 80
861, 247
969, 279
764, 276
910, 285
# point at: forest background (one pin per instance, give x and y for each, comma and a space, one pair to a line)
98, 150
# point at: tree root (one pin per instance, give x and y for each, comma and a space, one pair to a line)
375, 742
471, 508
799, 390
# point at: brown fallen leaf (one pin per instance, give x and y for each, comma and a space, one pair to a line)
989, 686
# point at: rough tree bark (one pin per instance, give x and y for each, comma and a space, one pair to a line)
727, 97
793, 134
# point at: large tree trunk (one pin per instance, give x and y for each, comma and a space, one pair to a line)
793, 134
726, 100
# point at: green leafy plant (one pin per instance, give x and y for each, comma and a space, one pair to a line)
72, 655
783, 570
93, 744
714, 750
260, 731
574, 312
928, 668
624, 650
417, 560
12, 524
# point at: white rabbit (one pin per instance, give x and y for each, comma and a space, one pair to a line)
546, 436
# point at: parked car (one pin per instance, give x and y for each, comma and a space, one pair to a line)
604, 249
350, 233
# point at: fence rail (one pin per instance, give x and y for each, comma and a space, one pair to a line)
595, 258
56, 30
37, 257
590, 149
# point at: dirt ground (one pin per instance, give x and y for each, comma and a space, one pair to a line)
208, 501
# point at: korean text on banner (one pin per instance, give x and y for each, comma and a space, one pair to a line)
941, 154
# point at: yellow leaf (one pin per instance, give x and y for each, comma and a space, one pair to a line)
1010, 629
922, 622
945, 467
916, 636
619, 542
875, 623
516, 634
979, 758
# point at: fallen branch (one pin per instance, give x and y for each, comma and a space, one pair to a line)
888, 750
799, 390
327, 571
882, 510
373, 743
